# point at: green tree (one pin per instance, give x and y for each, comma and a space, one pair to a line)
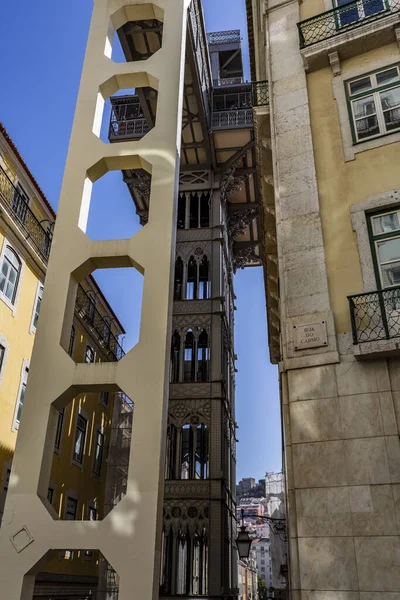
262, 589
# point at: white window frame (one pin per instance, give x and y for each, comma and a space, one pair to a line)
12, 305
88, 346
84, 415
375, 90
23, 380
39, 294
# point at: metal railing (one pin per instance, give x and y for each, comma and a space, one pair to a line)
224, 37
15, 203
375, 315
232, 119
227, 81
260, 93
344, 18
86, 309
127, 128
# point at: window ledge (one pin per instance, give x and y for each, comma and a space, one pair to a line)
9, 304
77, 464
352, 42
383, 140
377, 349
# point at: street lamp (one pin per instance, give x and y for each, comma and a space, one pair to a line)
278, 526
243, 541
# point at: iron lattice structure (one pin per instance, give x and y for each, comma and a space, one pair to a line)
343, 18
260, 93
375, 315
15, 203
224, 37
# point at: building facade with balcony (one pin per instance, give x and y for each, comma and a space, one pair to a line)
85, 441
329, 151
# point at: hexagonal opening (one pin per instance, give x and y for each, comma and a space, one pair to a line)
93, 332
91, 435
135, 33
107, 199
130, 194
80, 574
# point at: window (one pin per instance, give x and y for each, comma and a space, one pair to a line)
2, 354
360, 10
194, 452
9, 275
71, 509
178, 283
89, 355
21, 396
375, 103
98, 453
36, 310
198, 279
194, 210
175, 357
104, 398
80, 438
60, 421
71, 341
384, 229
262, 561
184, 563
170, 453
204, 279
203, 357
92, 513
191, 285
50, 495
189, 356
20, 204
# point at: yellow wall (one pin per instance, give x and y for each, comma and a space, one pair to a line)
20, 342
342, 184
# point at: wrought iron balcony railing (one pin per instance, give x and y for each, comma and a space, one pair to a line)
227, 81
15, 204
344, 18
375, 315
232, 119
86, 309
127, 128
224, 37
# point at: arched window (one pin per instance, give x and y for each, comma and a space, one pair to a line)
175, 356
191, 285
183, 564
205, 210
186, 452
204, 279
203, 357
189, 358
178, 279
201, 452
181, 211
170, 454
194, 452
167, 562
194, 211
200, 564
10, 274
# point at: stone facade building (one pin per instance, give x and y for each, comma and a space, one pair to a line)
328, 156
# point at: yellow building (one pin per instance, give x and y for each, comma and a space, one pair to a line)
77, 487
329, 158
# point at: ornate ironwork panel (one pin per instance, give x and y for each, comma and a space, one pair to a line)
224, 37
344, 18
375, 315
15, 204
260, 93
232, 119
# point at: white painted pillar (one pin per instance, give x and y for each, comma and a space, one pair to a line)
129, 537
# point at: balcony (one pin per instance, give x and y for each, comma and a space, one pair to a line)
86, 309
16, 205
233, 107
375, 321
127, 120
354, 27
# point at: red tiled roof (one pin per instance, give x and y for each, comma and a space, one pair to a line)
26, 169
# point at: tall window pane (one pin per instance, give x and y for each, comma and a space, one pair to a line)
71, 341
175, 357
37, 306
189, 363
186, 452
191, 285
80, 437
204, 279
203, 357
9, 274
98, 453
178, 282
60, 422
89, 355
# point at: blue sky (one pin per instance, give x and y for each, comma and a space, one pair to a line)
43, 50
